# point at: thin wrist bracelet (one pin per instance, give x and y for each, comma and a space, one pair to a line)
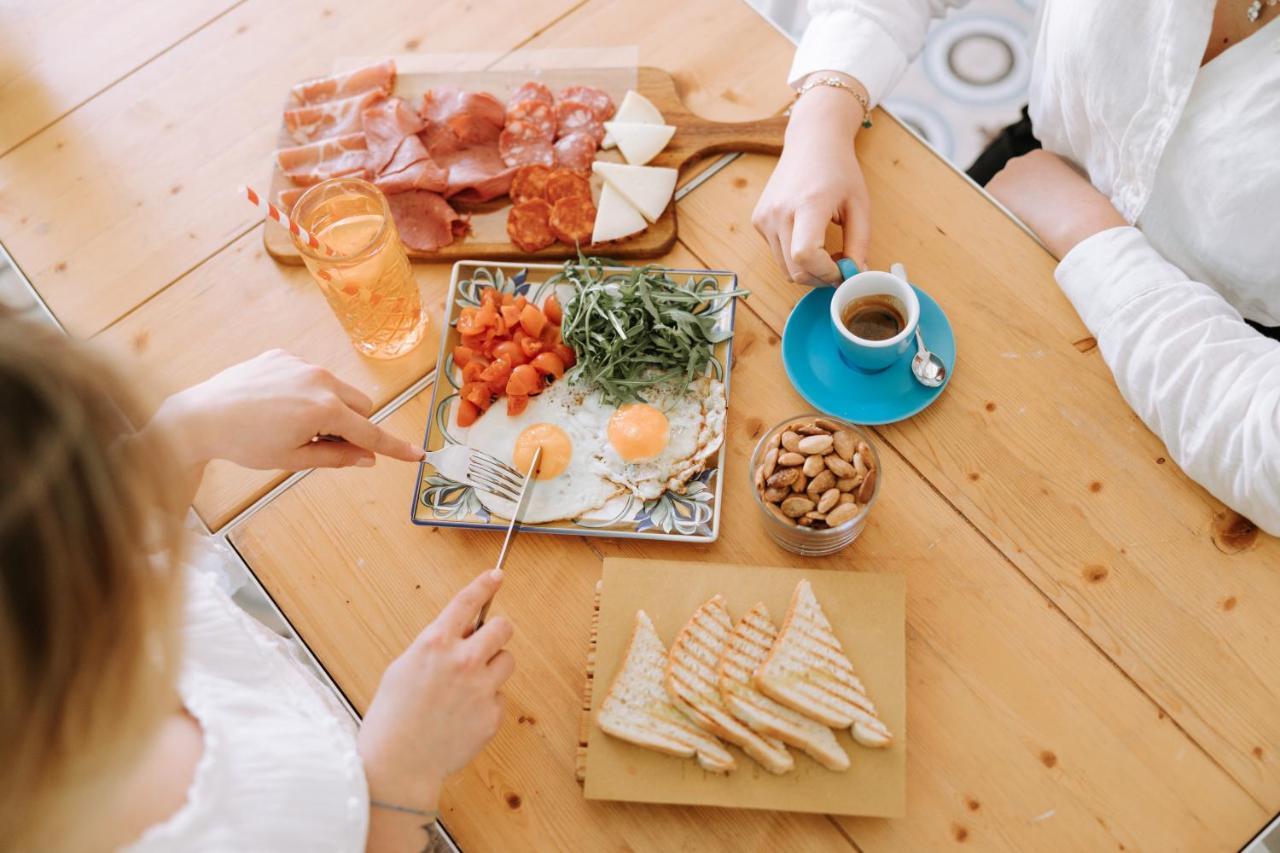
431, 816
837, 83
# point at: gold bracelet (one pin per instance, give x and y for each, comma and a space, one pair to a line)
837, 83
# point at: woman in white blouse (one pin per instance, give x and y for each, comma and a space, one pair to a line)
140, 708
1169, 244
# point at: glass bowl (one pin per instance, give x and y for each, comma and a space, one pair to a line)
814, 541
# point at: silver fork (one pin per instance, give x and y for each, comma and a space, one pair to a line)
480, 469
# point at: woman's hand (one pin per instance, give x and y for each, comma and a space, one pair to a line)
817, 181
264, 413
437, 705
1055, 201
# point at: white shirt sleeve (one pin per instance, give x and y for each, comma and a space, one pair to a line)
870, 40
1203, 380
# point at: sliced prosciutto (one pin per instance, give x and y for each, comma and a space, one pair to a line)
334, 118
386, 125
477, 174
328, 158
381, 77
425, 220
474, 118
412, 169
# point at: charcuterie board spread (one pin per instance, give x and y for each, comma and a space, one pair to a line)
493, 164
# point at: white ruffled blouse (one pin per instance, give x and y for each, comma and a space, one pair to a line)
280, 769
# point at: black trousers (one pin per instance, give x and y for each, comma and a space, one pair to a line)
1018, 139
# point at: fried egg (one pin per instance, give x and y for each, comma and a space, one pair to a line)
592, 451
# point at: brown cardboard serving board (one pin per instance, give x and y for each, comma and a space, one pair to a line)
868, 614
695, 137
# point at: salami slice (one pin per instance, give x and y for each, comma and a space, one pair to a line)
530, 182
537, 113
564, 183
572, 220
531, 90
572, 116
599, 101
522, 143
576, 151
529, 227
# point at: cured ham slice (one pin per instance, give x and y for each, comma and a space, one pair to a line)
425, 220
473, 117
328, 158
333, 118
477, 174
345, 85
386, 126
412, 169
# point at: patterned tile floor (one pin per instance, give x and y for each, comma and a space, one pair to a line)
968, 82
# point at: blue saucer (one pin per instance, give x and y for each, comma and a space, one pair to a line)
830, 385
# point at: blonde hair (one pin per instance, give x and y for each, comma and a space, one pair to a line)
88, 591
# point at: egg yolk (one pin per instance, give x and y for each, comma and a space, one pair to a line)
556, 450
638, 431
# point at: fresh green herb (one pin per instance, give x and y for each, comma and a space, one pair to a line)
635, 329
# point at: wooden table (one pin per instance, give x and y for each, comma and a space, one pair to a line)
1092, 646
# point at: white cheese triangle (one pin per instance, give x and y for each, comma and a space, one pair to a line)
615, 217
649, 188
635, 108
640, 143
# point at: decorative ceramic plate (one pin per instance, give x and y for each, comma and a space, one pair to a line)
691, 516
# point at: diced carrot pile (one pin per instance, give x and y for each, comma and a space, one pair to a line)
509, 346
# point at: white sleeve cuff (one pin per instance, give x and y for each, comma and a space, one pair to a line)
853, 44
1103, 273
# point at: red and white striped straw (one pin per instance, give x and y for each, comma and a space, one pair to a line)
272, 212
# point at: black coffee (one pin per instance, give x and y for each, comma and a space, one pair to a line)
876, 317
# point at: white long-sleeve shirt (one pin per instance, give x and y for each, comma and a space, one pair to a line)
1189, 155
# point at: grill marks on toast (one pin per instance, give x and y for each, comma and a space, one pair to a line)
746, 648
637, 708
692, 684
808, 670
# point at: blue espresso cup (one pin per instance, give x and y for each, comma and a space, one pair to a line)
872, 356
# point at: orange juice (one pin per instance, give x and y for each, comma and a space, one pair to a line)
367, 280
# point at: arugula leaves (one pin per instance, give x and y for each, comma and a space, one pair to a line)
635, 329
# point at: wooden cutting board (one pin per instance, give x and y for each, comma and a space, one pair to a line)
695, 138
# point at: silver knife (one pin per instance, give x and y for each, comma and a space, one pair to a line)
521, 505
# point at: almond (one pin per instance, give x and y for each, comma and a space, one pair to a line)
848, 499
796, 506
813, 465
783, 477
791, 441
789, 458
777, 513
842, 470
800, 483
805, 522
819, 484
776, 494
859, 465
841, 514
847, 484
868, 488
770, 461
812, 444
829, 426
828, 501
843, 440
810, 429
865, 453
759, 478
815, 515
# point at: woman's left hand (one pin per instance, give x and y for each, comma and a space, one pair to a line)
1054, 200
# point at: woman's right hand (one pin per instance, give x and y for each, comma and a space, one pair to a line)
438, 703
817, 181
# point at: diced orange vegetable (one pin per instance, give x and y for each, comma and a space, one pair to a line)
516, 405
497, 375
548, 363
532, 320
467, 413
566, 354
550, 336
520, 301
551, 307
531, 346
510, 315
511, 351
467, 324
471, 372
462, 355
476, 393
524, 381
507, 298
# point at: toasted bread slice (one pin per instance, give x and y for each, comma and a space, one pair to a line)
747, 648
808, 670
637, 708
691, 684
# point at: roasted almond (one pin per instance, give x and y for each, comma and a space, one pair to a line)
868, 488
759, 478
829, 499
865, 453
776, 494
796, 506
841, 514
783, 477
778, 514
811, 429
800, 483
815, 515
838, 466
812, 444
774, 441
829, 426
791, 441
847, 484
859, 466
819, 484
805, 522
847, 498
813, 465
844, 444
770, 461
790, 458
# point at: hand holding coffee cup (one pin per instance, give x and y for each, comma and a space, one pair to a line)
873, 318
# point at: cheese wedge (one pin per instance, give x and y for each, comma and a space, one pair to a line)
640, 143
807, 670
745, 650
635, 108
615, 217
649, 188
637, 708
691, 684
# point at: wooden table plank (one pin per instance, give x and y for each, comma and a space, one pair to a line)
44, 70
1020, 734
1034, 444
112, 203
